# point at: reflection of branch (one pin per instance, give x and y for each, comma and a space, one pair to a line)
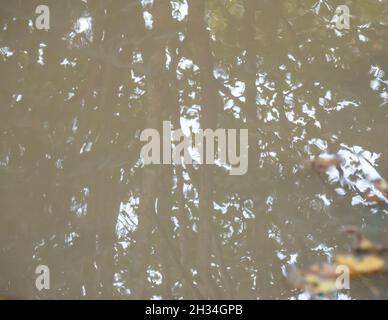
156, 89
218, 252
230, 96
164, 215
211, 107
292, 90
176, 259
175, 115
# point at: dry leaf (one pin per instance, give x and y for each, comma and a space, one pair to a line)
323, 270
382, 186
318, 285
373, 198
318, 279
363, 265
322, 165
363, 244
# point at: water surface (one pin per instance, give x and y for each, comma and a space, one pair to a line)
75, 196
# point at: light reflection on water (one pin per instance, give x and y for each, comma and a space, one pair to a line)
74, 195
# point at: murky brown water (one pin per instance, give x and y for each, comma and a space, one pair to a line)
75, 197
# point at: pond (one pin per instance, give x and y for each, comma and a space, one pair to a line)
82, 80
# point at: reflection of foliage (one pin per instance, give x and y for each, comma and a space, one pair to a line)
282, 70
224, 19
221, 11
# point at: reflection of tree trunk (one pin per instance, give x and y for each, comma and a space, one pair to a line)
251, 91
211, 105
154, 59
264, 245
183, 214
148, 194
164, 212
100, 231
105, 195
185, 226
156, 88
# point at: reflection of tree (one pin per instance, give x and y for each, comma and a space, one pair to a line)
198, 35
275, 67
157, 182
98, 234
218, 273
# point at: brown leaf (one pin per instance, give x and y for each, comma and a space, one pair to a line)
318, 279
363, 244
373, 198
321, 165
382, 186
360, 266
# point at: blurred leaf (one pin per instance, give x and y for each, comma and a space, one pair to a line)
318, 285
363, 244
321, 165
360, 266
317, 279
382, 186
